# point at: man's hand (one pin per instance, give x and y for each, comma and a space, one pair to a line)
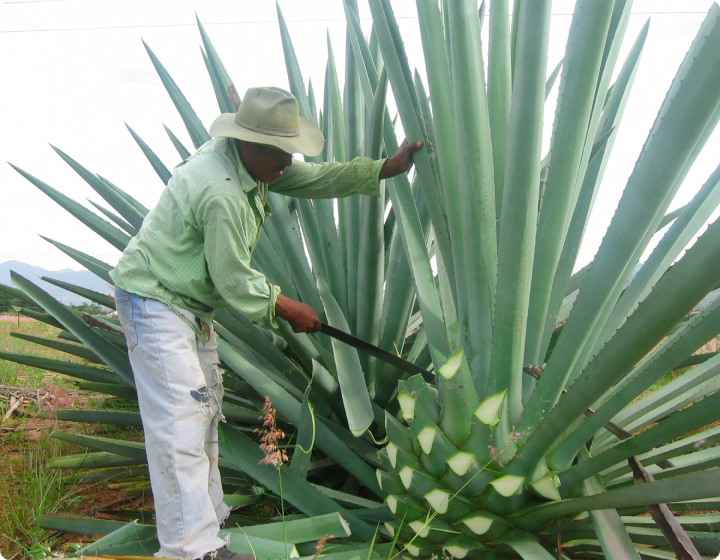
401, 161
302, 317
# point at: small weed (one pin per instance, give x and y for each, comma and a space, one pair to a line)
30, 489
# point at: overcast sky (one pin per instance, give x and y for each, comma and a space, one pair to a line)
73, 71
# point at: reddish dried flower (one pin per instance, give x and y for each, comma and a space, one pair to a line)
57, 398
320, 545
270, 435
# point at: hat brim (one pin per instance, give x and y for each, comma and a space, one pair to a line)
308, 142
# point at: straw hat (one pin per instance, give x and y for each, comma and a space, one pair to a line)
269, 115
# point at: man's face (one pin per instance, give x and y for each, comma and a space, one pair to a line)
264, 163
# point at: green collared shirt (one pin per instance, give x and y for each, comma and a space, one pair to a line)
193, 250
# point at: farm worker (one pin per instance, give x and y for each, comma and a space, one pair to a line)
191, 256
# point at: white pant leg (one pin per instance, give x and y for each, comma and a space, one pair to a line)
177, 414
207, 353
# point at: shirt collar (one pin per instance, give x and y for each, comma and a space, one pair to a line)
246, 181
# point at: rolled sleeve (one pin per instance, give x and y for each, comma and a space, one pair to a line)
330, 180
229, 225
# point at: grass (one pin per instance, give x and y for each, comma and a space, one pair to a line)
29, 488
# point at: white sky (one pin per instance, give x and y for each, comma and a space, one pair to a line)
74, 70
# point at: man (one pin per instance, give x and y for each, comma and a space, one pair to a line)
191, 256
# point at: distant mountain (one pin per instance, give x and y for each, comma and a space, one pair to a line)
83, 278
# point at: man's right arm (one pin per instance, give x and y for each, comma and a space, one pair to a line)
226, 223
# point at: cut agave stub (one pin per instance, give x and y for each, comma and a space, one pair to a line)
456, 551
420, 527
548, 487
407, 405
507, 485
392, 454
438, 499
406, 475
412, 549
392, 503
489, 410
478, 524
461, 462
461, 546
426, 437
451, 367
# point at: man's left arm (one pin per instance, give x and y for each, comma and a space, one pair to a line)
335, 180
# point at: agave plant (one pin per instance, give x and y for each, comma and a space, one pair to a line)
524, 437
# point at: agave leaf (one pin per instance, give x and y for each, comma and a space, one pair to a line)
677, 388
291, 246
289, 408
552, 79
353, 101
581, 72
254, 338
244, 454
585, 352
74, 349
700, 329
297, 86
82, 526
90, 373
114, 389
527, 546
109, 353
159, 167
441, 94
139, 207
110, 233
305, 439
612, 534
677, 425
499, 90
686, 113
371, 251
337, 119
693, 393
692, 486
350, 374
42, 317
686, 226
110, 195
298, 530
131, 539
477, 192
99, 459
195, 128
97, 297
133, 449
94, 265
17, 294
588, 190
273, 264
408, 105
111, 417
182, 150
232, 96
518, 225
131, 231
674, 296
686, 450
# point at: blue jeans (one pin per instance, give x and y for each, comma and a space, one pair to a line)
180, 393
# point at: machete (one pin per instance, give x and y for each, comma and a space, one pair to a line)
379, 353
